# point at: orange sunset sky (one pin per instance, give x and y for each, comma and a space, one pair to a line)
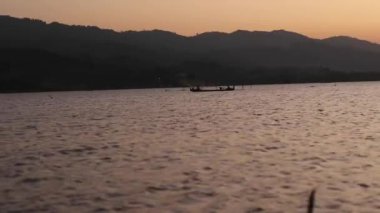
315, 18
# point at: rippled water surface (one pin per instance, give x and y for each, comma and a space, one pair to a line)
261, 149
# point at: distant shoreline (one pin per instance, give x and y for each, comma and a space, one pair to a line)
184, 88
36, 56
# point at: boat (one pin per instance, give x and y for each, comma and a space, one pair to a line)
220, 89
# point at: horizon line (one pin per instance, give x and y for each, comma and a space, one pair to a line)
189, 36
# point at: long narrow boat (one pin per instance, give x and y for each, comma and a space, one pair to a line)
221, 89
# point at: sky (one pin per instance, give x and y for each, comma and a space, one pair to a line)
314, 18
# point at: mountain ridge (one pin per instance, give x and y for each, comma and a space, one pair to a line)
52, 56
239, 31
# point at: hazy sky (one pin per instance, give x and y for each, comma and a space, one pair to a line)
315, 18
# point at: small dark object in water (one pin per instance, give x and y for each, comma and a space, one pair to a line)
363, 185
198, 89
311, 201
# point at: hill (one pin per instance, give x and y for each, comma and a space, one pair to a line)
39, 56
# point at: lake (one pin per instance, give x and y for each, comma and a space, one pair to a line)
257, 149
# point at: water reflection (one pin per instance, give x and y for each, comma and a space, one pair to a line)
258, 149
